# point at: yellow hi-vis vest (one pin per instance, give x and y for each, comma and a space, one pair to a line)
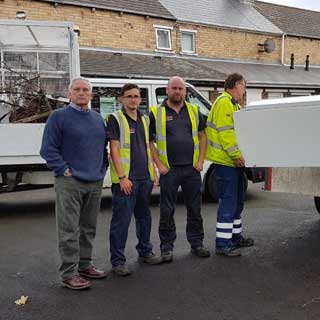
222, 145
124, 150
159, 114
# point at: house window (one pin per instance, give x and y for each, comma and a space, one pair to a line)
163, 36
188, 43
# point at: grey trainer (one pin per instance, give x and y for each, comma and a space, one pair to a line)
151, 259
201, 252
229, 251
121, 270
167, 256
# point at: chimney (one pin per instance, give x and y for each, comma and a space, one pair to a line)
292, 61
307, 63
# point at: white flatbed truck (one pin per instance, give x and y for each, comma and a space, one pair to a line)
49, 50
283, 135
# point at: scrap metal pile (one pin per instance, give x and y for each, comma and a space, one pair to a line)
23, 99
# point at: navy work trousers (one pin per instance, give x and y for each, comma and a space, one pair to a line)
123, 206
230, 189
190, 181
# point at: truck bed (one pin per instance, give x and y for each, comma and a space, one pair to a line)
20, 144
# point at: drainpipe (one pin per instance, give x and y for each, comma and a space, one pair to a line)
283, 48
307, 63
292, 61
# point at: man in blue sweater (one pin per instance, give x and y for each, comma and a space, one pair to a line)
74, 147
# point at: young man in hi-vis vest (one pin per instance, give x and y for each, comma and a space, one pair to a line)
177, 127
224, 152
132, 176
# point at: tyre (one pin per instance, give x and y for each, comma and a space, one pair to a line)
211, 186
317, 203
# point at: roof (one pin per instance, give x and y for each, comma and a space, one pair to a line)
143, 7
224, 13
35, 34
111, 64
128, 65
292, 21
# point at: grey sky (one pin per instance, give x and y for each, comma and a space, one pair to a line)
305, 4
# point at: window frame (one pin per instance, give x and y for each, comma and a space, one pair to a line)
168, 30
193, 33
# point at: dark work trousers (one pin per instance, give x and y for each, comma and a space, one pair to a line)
77, 207
230, 189
190, 181
123, 206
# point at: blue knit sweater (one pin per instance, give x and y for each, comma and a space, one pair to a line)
76, 140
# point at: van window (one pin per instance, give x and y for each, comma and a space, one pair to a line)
106, 100
192, 96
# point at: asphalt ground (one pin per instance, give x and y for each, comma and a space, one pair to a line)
278, 278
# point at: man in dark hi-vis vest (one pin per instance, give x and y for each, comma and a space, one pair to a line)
132, 176
177, 127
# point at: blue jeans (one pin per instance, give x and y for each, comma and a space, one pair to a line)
122, 208
190, 181
230, 189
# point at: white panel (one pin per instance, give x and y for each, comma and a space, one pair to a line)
275, 95
296, 180
253, 95
20, 143
280, 137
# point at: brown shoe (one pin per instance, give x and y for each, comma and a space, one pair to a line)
76, 283
93, 273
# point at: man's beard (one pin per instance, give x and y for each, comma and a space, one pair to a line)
176, 101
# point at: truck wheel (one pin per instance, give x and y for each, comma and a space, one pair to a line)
211, 186
317, 203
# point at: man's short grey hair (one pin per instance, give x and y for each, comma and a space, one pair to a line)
82, 79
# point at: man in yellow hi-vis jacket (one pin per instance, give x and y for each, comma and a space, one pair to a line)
224, 152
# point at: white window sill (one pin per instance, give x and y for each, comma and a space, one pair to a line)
164, 51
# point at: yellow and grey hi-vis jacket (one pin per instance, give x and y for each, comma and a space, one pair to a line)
222, 142
159, 114
125, 154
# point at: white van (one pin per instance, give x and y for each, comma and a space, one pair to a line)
153, 92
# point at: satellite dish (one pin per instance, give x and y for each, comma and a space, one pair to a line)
269, 45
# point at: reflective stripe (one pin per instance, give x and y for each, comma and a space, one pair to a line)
122, 134
237, 230
147, 119
160, 137
224, 235
195, 133
196, 147
237, 221
215, 145
196, 117
224, 225
221, 129
211, 125
226, 128
232, 149
125, 161
162, 152
126, 146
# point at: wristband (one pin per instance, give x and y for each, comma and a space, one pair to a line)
120, 178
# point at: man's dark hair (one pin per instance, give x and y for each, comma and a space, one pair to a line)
232, 79
128, 87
